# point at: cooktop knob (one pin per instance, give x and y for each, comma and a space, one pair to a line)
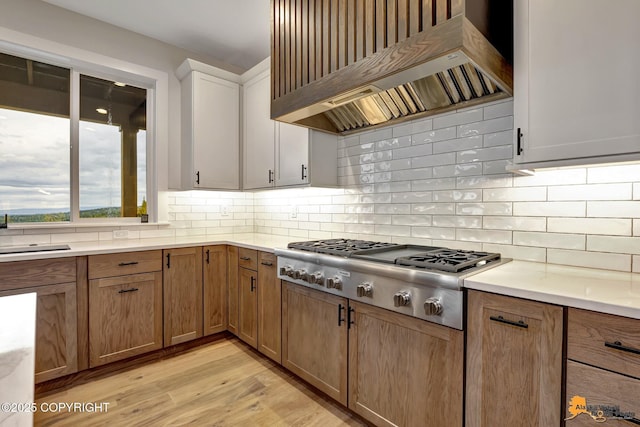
286, 271
401, 298
316, 278
334, 283
299, 274
432, 307
365, 289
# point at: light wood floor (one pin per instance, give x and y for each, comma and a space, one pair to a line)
220, 384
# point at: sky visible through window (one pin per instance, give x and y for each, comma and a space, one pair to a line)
35, 165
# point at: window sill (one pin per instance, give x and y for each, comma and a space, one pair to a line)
83, 225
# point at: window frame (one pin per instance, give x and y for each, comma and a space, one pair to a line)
95, 65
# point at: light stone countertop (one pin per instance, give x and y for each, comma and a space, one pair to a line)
17, 358
605, 291
592, 289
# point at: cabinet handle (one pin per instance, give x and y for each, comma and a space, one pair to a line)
198, 177
253, 281
208, 253
271, 176
245, 258
340, 318
304, 172
267, 263
618, 346
168, 260
519, 148
519, 323
122, 291
124, 264
633, 420
350, 317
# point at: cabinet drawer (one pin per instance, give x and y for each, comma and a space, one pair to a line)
248, 258
119, 264
25, 274
604, 340
267, 260
600, 390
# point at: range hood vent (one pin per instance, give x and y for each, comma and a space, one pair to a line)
449, 64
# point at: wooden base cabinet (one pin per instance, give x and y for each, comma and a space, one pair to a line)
54, 282
269, 307
603, 369
125, 316
404, 371
248, 306
314, 338
215, 289
182, 287
514, 362
232, 289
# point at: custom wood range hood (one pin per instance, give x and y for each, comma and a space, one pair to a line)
347, 65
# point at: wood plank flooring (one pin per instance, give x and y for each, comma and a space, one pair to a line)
224, 383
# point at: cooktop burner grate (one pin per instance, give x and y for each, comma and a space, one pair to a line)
340, 247
450, 260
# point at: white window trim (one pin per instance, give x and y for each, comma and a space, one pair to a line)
82, 61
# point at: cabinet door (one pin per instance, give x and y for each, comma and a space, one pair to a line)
216, 132
248, 307
292, 167
421, 362
573, 96
56, 330
234, 286
314, 338
215, 288
514, 362
259, 134
125, 317
269, 307
182, 295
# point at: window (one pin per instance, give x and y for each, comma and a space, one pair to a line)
60, 163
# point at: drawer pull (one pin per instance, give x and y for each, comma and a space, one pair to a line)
633, 420
618, 346
123, 291
268, 264
245, 258
519, 323
124, 264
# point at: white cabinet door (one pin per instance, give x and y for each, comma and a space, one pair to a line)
577, 94
259, 134
293, 155
216, 132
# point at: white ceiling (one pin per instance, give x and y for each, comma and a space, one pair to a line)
235, 32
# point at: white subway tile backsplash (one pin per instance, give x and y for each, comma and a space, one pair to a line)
549, 240
421, 125
434, 160
411, 197
522, 253
485, 208
552, 177
457, 170
496, 181
411, 174
619, 262
608, 226
488, 236
414, 151
494, 139
434, 136
433, 208
520, 194
453, 119
376, 135
402, 130
520, 223
495, 167
570, 209
636, 264
433, 184
393, 230
457, 196
591, 192
487, 126
392, 209
502, 109
413, 220
434, 233
620, 173
626, 245
613, 209
485, 154
457, 144
457, 221
636, 227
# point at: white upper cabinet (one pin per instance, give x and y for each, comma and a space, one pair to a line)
210, 128
577, 91
279, 154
